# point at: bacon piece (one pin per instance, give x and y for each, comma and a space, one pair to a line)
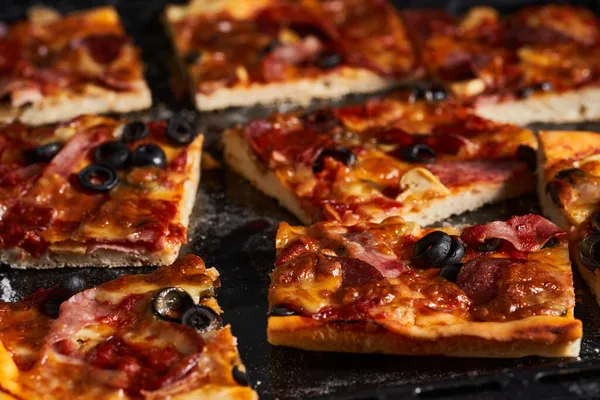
479, 278
74, 151
273, 65
387, 264
526, 232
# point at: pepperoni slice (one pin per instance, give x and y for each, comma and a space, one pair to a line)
479, 278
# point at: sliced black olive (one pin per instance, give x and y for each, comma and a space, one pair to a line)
149, 155
171, 303
450, 272
538, 87
180, 131
43, 153
432, 250
418, 152
551, 243
457, 251
341, 154
528, 155
569, 173
589, 251
432, 93
203, 319
279, 311
329, 60
490, 245
192, 57
595, 222
320, 121
112, 153
134, 131
240, 376
552, 191
98, 177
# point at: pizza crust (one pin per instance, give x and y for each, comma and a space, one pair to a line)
573, 106
78, 257
543, 336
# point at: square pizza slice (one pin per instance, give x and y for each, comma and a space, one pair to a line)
240, 53
392, 156
539, 64
503, 289
55, 67
569, 191
156, 336
96, 192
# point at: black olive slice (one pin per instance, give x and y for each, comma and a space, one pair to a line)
551, 243
320, 121
595, 222
589, 251
569, 173
538, 87
43, 153
528, 155
180, 131
329, 60
552, 191
192, 57
490, 245
171, 303
457, 251
134, 131
341, 154
432, 250
280, 311
149, 155
450, 272
202, 318
432, 93
112, 153
98, 177
418, 153
240, 376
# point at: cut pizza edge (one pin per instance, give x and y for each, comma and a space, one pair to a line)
77, 255
94, 99
541, 335
329, 85
188, 275
240, 157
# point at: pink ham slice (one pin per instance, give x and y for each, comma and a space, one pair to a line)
74, 151
526, 232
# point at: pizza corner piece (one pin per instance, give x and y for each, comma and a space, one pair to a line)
151, 336
503, 289
569, 190
397, 155
239, 53
63, 66
97, 191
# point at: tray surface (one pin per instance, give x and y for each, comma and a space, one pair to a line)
233, 229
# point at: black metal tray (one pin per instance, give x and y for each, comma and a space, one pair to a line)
233, 229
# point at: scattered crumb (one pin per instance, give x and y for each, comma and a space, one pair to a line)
7, 293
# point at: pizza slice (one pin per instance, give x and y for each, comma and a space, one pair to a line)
393, 156
503, 289
240, 53
153, 336
569, 191
57, 67
540, 64
96, 192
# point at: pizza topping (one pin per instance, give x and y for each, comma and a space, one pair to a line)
149, 155
528, 155
526, 233
478, 278
538, 87
180, 131
240, 376
320, 121
104, 48
281, 311
43, 153
432, 92
450, 272
134, 131
341, 154
417, 153
98, 178
112, 153
490, 245
329, 60
589, 251
202, 318
438, 249
171, 303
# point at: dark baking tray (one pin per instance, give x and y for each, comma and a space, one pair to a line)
233, 229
